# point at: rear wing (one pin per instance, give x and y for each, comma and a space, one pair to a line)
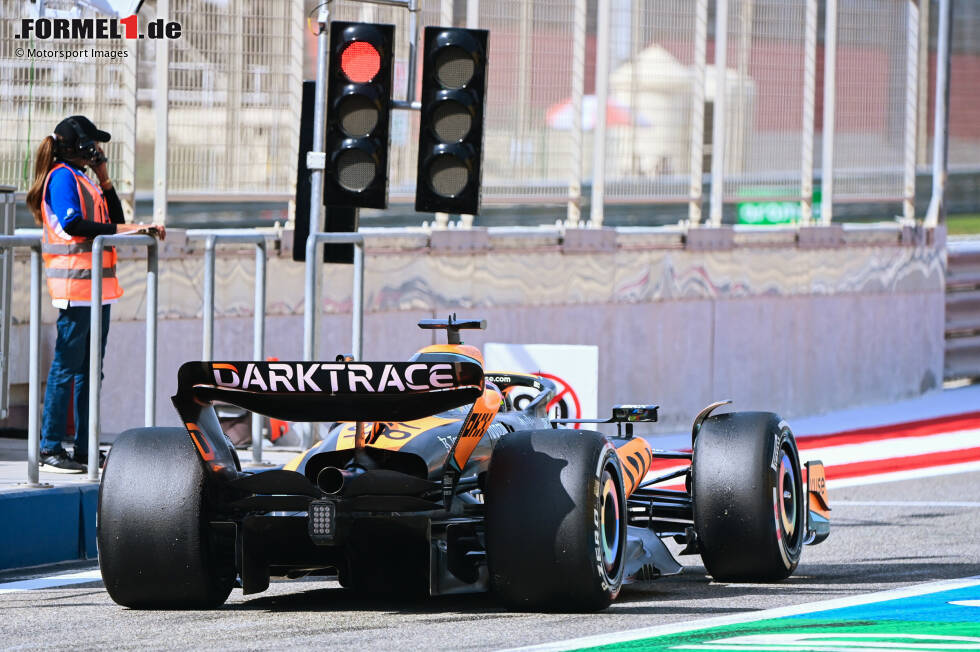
319, 391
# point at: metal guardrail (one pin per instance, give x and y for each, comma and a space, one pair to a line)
962, 310
311, 307
95, 339
34, 373
211, 240
6, 270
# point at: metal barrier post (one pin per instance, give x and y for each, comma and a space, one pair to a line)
696, 187
940, 139
719, 130
313, 243
357, 303
150, 382
34, 374
597, 214
911, 108
34, 371
829, 114
258, 339
809, 104
211, 241
95, 337
573, 212
208, 337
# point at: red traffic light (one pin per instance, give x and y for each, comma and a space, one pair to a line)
360, 62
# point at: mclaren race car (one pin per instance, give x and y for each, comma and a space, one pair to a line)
434, 482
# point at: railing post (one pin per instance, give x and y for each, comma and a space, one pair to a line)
34, 373
258, 339
911, 108
9, 243
579, 27
310, 298
95, 360
597, 211
809, 104
212, 240
719, 132
311, 304
208, 307
150, 384
95, 340
696, 188
940, 138
357, 302
829, 114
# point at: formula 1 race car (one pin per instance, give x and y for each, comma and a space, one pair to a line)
433, 482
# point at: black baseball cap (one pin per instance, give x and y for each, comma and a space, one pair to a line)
68, 135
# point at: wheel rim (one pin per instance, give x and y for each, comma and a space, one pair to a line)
787, 495
609, 523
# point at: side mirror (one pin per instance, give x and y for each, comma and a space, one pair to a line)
634, 413
628, 414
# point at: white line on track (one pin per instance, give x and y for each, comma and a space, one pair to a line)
53, 581
762, 614
911, 474
886, 449
903, 503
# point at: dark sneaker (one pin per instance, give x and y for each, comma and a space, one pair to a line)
59, 462
84, 460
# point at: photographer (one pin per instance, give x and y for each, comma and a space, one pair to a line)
72, 211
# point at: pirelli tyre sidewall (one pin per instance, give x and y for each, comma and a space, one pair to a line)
156, 548
556, 521
748, 496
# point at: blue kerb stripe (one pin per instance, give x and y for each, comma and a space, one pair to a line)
932, 607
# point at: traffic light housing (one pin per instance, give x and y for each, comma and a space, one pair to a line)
358, 114
454, 84
338, 218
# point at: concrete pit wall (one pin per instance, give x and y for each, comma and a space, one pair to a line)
796, 321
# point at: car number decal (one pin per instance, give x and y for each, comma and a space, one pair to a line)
393, 435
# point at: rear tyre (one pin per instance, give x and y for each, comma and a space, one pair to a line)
556, 521
748, 497
156, 550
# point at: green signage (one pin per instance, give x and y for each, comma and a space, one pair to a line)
759, 211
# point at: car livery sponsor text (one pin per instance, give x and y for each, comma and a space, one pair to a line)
334, 377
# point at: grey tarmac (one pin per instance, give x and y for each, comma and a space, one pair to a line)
884, 536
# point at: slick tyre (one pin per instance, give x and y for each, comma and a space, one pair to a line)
155, 547
748, 497
556, 521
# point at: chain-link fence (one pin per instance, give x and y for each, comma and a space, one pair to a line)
656, 78
235, 86
769, 101
964, 98
44, 81
875, 41
234, 101
528, 147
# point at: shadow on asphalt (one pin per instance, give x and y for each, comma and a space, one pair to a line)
340, 599
662, 596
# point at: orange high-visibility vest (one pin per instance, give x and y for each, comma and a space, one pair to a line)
68, 259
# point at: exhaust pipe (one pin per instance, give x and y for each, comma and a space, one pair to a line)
332, 480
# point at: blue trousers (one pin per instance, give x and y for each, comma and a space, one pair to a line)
71, 360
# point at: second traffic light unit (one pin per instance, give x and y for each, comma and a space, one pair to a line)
454, 83
358, 114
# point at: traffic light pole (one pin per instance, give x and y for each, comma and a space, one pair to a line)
315, 162
413, 7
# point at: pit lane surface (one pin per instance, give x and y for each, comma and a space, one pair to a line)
884, 536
